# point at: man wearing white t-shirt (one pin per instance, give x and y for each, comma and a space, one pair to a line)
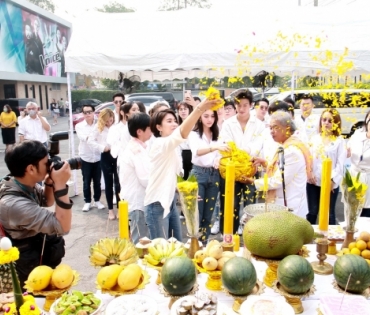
307, 123
33, 126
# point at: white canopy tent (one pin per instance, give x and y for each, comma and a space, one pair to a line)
209, 43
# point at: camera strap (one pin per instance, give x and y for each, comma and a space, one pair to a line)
60, 203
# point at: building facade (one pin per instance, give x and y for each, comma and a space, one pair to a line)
32, 46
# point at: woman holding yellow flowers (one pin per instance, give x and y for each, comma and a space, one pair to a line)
328, 143
204, 147
161, 214
359, 149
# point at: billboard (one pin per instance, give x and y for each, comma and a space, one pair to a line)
30, 43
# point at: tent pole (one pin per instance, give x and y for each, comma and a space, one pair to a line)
71, 134
292, 84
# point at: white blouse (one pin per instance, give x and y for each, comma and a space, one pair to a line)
98, 140
335, 150
118, 138
196, 143
359, 144
165, 164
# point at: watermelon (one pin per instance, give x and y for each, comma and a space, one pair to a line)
357, 267
178, 275
295, 274
239, 276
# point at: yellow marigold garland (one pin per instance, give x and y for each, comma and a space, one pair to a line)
8, 256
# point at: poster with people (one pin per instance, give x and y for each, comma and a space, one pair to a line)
30, 43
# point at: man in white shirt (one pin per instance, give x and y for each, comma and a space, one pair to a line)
134, 172
307, 123
118, 100
33, 126
90, 159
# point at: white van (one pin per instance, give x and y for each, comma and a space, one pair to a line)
352, 104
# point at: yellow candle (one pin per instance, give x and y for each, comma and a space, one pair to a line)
325, 195
229, 198
236, 239
123, 219
265, 183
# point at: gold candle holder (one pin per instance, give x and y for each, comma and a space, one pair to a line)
174, 298
227, 247
293, 299
271, 272
258, 289
321, 267
214, 282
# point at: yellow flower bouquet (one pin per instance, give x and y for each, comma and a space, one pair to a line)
243, 162
354, 193
214, 94
188, 192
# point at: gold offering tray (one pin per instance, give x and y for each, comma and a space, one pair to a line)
117, 291
258, 289
173, 299
214, 277
51, 293
365, 293
293, 299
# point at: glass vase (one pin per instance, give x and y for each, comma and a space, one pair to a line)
188, 193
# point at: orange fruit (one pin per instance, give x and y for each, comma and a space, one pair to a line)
365, 236
355, 251
351, 245
361, 245
366, 254
368, 245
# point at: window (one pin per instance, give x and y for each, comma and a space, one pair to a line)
55, 86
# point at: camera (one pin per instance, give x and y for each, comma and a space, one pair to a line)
54, 138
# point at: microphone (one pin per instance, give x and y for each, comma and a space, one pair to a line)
281, 157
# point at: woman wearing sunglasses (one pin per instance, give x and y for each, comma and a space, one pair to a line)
327, 143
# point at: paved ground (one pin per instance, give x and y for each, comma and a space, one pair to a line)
89, 227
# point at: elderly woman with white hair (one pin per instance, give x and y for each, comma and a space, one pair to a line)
295, 168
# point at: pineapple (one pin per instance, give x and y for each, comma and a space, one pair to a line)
5, 279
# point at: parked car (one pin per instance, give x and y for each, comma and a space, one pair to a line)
76, 118
254, 91
352, 104
77, 105
168, 96
268, 94
16, 104
146, 99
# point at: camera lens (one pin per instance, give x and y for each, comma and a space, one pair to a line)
74, 163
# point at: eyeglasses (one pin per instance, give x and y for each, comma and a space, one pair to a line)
88, 112
118, 102
329, 120
262, 107
228, 108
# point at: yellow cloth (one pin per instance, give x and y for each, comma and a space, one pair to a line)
271, 194
8, 118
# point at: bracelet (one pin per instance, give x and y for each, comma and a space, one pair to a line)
198, 108
49, 185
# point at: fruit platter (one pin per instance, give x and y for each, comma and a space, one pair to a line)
132, 305
76, 303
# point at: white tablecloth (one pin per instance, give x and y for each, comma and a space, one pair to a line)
322, 283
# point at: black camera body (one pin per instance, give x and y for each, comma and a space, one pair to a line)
54, 138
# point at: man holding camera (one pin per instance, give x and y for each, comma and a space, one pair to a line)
35, 230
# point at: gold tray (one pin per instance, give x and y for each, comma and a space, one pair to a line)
117, 291
365, 293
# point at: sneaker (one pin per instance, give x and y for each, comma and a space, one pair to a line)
114, 200
86, 207
240, 230
99, 205
182, 217
215, 228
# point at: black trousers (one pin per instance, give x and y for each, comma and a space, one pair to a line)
186, 162
91, 172
109, 167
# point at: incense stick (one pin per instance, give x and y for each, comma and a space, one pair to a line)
345, 290
42, 249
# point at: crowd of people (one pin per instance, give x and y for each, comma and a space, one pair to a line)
140, 155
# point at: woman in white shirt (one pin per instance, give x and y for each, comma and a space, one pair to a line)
359, 148
98, 140
183, 111
204, 148
161, 214
327, 143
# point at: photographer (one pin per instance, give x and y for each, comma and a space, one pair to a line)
32, 228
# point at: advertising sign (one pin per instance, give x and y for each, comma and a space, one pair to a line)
30, 43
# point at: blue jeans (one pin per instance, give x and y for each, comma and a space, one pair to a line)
91, 172
163, 227
208, 180
313, 200
137, 229
108, 165
243, 195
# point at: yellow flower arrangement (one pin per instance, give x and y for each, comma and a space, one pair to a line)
354, 193
29, 307
8, 256
243, 162
214, 94
188, 193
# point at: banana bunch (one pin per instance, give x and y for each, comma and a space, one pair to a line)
109, 251
160, 252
